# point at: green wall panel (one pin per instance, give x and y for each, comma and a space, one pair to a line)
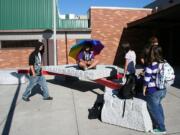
25, 14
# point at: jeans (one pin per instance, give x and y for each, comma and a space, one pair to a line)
155, 108
34, 81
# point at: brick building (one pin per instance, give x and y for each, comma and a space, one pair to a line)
24, 23
107, 24
111, 25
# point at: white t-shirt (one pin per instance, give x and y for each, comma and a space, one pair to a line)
39, 55
131, 61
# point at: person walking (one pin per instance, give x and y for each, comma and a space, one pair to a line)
36, 77
154, 95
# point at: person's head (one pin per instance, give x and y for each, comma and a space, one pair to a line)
155, 54
153, 40
39, 48
88, 47
126, 46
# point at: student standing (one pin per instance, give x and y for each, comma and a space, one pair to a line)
152, 41
154, 95
130, 60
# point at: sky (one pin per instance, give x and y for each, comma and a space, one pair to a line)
80, 7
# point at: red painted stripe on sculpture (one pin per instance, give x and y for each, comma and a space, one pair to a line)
108, 83
102, 81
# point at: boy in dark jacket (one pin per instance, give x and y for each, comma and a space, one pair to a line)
36, 76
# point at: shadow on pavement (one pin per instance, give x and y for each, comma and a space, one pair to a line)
83, 86
76, 84
10, 115
95, 111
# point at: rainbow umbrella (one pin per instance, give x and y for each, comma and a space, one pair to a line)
75, 49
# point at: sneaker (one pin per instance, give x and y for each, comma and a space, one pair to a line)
25, 99
85, 68
158, 131
48, 98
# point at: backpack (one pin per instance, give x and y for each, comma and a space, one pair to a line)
165, 75
128, 89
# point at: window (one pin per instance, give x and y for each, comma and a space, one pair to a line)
18, 44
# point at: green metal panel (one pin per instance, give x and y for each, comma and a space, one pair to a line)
25, 14
73, 23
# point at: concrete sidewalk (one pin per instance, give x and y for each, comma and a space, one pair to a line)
68, 113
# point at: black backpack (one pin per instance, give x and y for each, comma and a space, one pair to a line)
127, 91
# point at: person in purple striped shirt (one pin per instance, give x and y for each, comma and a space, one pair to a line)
154, 95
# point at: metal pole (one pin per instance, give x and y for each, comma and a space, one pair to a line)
54, 30
67, 61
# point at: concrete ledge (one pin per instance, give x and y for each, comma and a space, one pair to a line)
136, 115
11, 77
101, 71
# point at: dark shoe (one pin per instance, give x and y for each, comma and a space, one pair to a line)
25, 99
48, 98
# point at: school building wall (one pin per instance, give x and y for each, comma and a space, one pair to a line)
63, 51
15, 48
14, 58
17, 54
110, 26
64, 42
107, 24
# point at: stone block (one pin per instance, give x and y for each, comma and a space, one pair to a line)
133, 115
101, 71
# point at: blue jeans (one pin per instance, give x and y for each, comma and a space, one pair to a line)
34, 81
155, 108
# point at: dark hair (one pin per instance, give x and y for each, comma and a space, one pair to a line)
39, 44
153, 40
155, 55
126, 47
87, 45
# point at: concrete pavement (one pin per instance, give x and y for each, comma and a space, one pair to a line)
68, 113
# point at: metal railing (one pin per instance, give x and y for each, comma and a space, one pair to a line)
73, 23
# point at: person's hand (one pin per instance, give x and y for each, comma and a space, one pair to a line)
89, 62
141, 73
144, 91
